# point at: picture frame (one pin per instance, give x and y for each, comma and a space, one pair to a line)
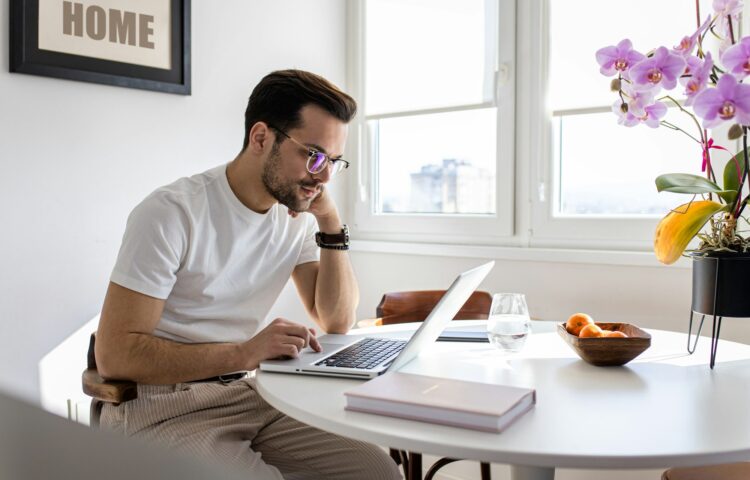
121, 46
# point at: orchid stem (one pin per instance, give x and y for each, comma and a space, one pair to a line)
695, 120
698, 13
675, 127
739, 206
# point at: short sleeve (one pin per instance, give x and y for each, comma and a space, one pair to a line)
310, 251
153, 246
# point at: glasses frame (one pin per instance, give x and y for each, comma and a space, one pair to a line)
331, 163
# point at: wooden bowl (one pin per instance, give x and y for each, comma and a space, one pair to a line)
603, 351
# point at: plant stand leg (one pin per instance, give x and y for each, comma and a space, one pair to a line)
715, 339
697, 334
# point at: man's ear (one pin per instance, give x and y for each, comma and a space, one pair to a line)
260, 137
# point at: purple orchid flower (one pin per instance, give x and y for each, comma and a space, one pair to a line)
661, 70
652, 115
728, 12
727, 7
618, 58
737, 58
730, 100
687, 44
696, 76
638, 100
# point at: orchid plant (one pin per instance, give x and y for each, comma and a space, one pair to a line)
714, 95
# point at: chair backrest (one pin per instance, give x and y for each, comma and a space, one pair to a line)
403, 307
110, 391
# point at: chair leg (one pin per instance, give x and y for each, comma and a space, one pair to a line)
95, 412
400, 457
395, 455
415, 466
485, 471
483, 467
437, 466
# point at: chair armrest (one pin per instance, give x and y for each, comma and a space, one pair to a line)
111, 391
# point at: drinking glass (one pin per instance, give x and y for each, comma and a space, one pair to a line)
508, 323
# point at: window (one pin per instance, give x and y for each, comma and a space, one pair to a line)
596, 179
487, 122
436, 90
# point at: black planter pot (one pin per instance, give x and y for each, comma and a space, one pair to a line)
719, 290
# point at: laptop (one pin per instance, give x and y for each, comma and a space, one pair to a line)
358, 356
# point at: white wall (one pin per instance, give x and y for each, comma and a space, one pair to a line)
76, 157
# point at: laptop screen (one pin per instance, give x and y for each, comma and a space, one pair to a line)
440, 316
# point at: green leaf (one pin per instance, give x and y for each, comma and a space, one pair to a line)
734, 165
685, 183
728, 196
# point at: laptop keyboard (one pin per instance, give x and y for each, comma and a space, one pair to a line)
366, 353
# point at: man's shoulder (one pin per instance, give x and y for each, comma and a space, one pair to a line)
183, 197
192, 185
186, 189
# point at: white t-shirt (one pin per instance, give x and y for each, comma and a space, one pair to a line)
219, 265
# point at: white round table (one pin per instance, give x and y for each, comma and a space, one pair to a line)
665, 408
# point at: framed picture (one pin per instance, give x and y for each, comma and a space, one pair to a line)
129, 43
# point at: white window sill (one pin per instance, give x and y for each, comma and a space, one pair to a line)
528, 254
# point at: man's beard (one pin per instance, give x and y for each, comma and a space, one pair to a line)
285, 192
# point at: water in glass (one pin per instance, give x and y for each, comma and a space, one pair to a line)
508, 322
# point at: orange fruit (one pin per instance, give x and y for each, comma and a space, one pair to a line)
590, 331
616, 334
576, 322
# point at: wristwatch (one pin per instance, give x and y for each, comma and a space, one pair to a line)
334, 241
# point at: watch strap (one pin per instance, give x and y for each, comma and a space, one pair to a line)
334, 247
329, 240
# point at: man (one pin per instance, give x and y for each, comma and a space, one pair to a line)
202, 262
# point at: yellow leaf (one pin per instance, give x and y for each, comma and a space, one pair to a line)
675, 231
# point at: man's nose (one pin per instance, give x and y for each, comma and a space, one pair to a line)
324, 176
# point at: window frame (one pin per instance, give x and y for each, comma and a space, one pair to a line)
546, 228
444, 228
617, 232
525, 215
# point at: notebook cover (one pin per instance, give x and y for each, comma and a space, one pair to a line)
447, 401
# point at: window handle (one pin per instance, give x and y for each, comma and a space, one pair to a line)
542, 192
502, 75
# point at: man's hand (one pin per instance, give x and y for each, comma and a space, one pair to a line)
281, 338
324, 210
322, 206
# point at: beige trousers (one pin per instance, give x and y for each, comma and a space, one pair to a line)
232, 424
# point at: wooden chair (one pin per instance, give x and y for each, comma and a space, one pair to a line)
101, 390
729, 471
414, 306
403, 307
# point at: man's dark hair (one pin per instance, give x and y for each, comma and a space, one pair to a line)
279, 97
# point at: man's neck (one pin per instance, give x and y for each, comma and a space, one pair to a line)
244, 175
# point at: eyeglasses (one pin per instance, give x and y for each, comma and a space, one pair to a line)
317, 161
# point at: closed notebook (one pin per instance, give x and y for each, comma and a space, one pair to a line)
458, 403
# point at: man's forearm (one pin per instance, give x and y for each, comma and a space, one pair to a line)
336, 290
148, 359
